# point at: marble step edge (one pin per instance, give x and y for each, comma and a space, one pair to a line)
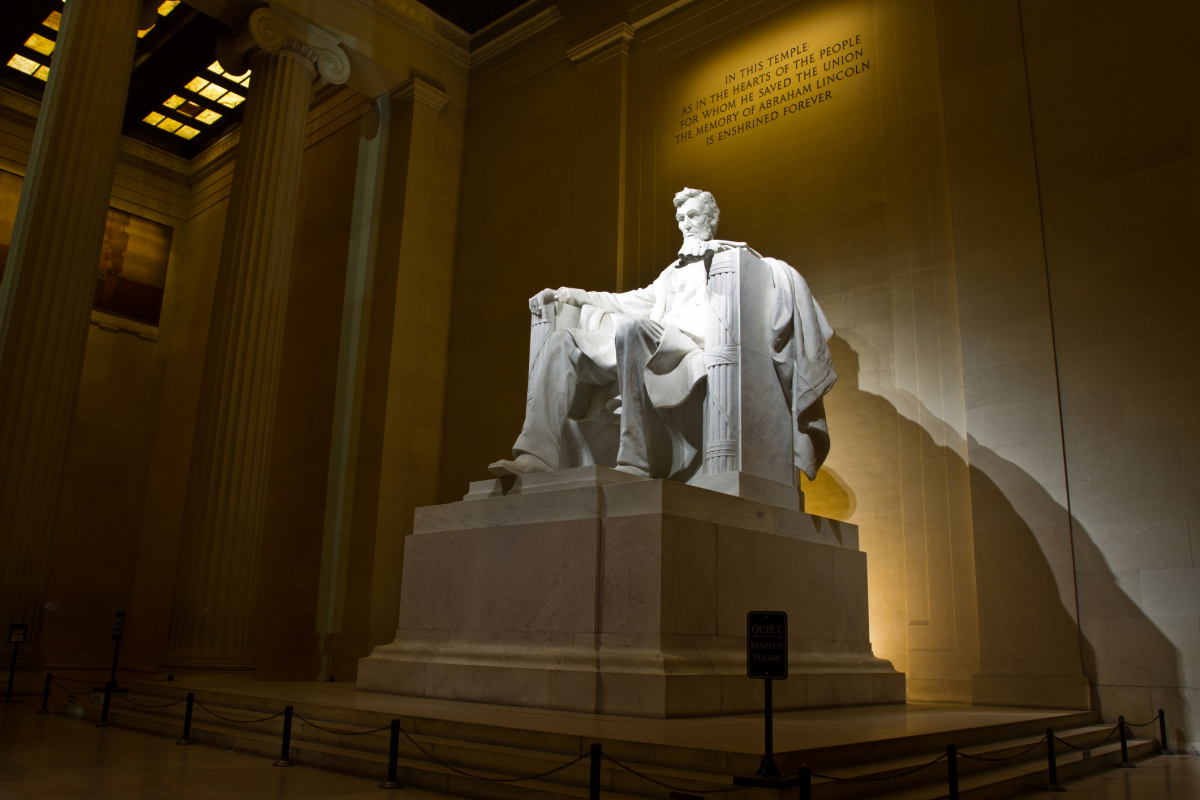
415, 773
463, 754
725, 658
672, 756
1008, 782
829, 789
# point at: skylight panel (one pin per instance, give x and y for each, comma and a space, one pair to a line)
40, 44
163, 10
199, 100
22, 64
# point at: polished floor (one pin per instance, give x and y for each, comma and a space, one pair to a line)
49, 757
1158, 778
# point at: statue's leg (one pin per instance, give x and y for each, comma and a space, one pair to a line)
564, 366
642, 431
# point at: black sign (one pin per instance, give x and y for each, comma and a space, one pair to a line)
118, 626
17, 633
766, 645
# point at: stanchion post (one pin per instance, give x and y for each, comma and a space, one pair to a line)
285, 749
103, 723
187, 719
45, 709
1162, 730
1052, 763
805, 783
768, 768
1125, 762
12, 671
952, 770
392, 781
594, 778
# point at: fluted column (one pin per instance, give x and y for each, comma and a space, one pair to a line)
213, 611
49, 282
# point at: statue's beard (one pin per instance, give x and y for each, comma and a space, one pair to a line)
703, 235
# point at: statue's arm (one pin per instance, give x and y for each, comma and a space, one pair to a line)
638, 303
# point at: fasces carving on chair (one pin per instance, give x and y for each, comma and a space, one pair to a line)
713, 375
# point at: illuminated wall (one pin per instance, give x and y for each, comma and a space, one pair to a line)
954, 184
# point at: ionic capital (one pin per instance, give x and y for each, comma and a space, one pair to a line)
273, 29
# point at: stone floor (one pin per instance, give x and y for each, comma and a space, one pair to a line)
50, 757
1158, 778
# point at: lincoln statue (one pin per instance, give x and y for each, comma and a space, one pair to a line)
637, 361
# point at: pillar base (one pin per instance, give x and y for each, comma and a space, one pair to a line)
1031, 691
181, 664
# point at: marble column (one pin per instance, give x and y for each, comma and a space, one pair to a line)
49, 282
212, 614
598, 179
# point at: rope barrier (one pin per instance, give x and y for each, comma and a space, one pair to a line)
237, 721
455, 769
149, 705
341, 733
1026, 751
904, 774
67, 689
1153, 721
1101, 743
671, 788
57, 678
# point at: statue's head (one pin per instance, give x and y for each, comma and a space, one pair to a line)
697, 214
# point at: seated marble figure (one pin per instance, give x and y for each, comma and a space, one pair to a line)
642, 381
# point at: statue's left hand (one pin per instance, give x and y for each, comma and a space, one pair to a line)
575, 297
540, 299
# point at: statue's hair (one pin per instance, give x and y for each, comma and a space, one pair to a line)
710, 205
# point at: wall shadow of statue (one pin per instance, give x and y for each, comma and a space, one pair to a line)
1024, 571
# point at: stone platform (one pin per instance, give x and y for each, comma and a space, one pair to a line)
340, 729
592, 590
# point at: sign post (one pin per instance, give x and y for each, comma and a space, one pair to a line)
118, 634
16, 637
767, 660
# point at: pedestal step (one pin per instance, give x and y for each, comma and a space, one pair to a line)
497, 752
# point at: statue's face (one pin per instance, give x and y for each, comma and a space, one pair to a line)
693, 220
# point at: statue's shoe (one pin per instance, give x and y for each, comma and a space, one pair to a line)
524, 464
641, 473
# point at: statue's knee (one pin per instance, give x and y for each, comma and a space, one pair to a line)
629, 330
560, 342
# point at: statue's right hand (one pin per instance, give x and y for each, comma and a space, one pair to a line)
538, 300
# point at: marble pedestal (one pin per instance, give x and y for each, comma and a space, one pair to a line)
591, 590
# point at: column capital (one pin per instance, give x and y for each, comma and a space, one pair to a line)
621, 33
422, 92
273, 29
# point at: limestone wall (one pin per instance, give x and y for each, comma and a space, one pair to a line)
1007, 259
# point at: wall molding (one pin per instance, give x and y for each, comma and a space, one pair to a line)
431, 28
515, 35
